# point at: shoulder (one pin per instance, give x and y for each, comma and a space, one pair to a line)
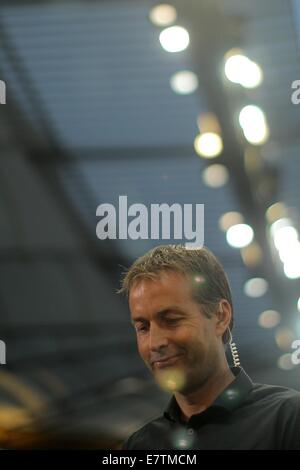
272, 403
144, 436
275, 394
284, 405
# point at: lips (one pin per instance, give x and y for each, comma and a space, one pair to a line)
165, 362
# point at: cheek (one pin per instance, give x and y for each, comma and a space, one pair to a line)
142, 347
189, 334
196, 339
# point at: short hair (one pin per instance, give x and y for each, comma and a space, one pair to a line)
208, 279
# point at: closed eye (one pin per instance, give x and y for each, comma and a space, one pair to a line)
172, 321
141, 328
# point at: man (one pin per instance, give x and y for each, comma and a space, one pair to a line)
181, 309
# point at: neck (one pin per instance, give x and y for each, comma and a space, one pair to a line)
200, 399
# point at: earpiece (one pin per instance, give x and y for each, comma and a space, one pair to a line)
234, 351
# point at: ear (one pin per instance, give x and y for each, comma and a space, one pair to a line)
223, 317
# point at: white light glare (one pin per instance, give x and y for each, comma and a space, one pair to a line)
239, 236
280, 223
289, 251
240, 69
253, 122
285, 236
174, 39
291, 267
208, 144
184, 82
286, 240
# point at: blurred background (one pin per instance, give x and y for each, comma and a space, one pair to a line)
188, 102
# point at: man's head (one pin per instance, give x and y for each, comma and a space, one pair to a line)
181, 308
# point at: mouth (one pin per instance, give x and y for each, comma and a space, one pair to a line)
165, 362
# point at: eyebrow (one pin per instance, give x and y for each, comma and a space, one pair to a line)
160, 313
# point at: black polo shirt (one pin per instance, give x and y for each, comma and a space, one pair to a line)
244, 416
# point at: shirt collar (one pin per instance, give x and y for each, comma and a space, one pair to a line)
231, 398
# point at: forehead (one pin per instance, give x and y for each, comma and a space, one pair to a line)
169, 288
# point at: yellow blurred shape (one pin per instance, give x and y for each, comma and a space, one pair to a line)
275, 212
21, 391
215, 176
163, 14
284, 338
171, 379
252, 160
269, 319
252, 254
208, 122
229, 219
13, 416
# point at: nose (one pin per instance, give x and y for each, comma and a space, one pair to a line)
158, 340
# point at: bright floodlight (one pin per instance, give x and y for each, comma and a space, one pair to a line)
286, 240
208, 145
280, 223
253, 122
289, 251
184, 82
292, 267
239, 236
174, 39
240, 69
285, 236
163, 14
